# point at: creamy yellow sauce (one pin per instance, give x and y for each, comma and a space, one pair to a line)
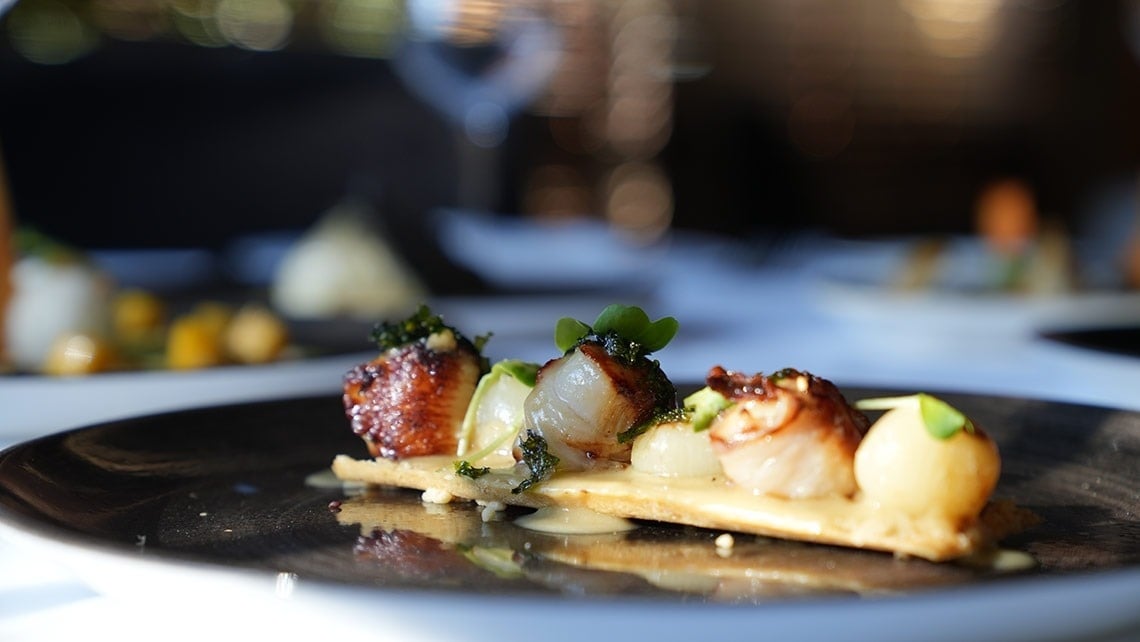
573, 521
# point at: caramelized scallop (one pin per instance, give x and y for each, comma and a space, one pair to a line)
410, 400
584, 400
790, 434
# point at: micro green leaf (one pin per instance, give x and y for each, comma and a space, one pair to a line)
629, 323
942, 420
623, 320
658, 334
524, 371
568, 332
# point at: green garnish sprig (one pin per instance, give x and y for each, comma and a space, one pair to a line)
538, 460
625, 331
703, 406
420, 325
942, 420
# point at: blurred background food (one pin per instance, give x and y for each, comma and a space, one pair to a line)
250, 140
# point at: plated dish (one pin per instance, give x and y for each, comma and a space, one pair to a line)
884, 282
243, 489
597, 435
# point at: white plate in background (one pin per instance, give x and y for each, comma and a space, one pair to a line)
858, 281
525, 254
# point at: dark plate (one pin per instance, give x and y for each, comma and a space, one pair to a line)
232, 487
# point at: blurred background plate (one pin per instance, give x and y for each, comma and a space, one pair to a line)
961, 290
524, 254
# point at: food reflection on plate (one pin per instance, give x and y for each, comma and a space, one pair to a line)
421, 541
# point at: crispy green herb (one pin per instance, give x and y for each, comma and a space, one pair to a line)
537, 459
625, 329
942, 420
420, 325
463, 468
662, 416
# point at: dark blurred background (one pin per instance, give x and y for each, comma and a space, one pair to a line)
187, 123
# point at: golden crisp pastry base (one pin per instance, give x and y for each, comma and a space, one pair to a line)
703, 502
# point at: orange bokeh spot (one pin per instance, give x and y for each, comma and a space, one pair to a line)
1006, 215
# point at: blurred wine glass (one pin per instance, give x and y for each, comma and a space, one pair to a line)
477, 63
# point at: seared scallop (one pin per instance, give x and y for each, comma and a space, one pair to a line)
584, 401
411, 399
790, 434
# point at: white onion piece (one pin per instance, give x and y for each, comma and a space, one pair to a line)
902, 466
674, 449
493, 421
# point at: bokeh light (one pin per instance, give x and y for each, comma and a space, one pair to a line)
196, 21
639, 201
956, 28
362, 28
558, 190
258, 25
50, 32
130, 19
